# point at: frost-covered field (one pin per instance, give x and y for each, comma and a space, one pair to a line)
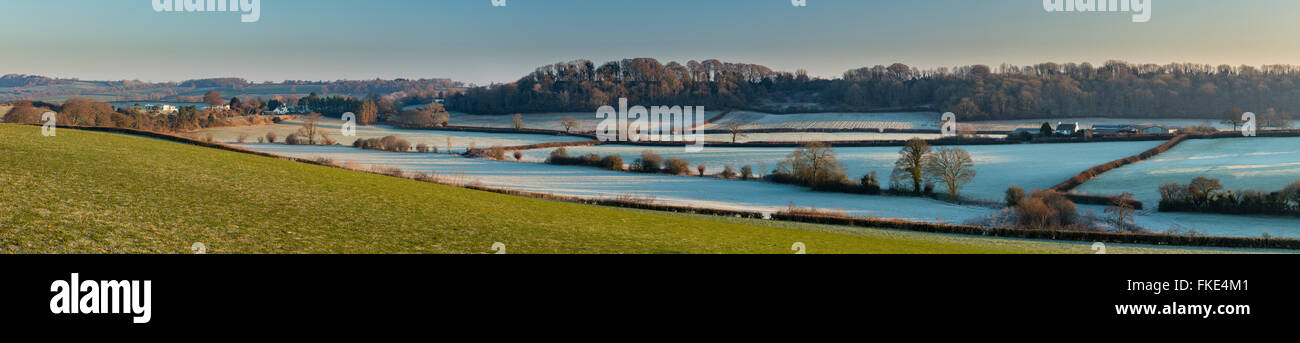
925, 121
587, 121
736, 195
674, 190
1213, 224
459, 140
900, 120
1239, 163
1031, 166
824, 137
1087, 123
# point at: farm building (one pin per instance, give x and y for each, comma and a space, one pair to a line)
1151, 129
283, 109
1131, 129
1025, 132
1067, 129
162, 108
1111, 129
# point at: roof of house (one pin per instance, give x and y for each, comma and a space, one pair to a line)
1064, 127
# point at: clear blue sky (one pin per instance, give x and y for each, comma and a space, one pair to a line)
473, 41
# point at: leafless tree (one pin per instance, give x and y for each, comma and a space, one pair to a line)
519, 121
951, 166
735, 127
569, 123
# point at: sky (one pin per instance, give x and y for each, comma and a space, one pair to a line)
474, 41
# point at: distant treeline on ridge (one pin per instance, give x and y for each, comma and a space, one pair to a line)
978, 92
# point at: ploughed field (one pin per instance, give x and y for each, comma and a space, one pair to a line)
88, 192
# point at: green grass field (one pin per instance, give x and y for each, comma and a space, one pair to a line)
88, 192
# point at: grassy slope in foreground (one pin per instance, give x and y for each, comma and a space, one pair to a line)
87, 192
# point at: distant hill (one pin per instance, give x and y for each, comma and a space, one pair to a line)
34, 87
17, 80
1115, 89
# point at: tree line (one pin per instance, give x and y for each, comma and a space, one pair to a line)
976, 92
1208, 195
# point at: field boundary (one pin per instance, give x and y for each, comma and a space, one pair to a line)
844, 144
1083, 236
878, 223
1067, 187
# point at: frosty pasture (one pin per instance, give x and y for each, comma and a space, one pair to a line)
1031, 166
459, 140
674, 190
1239, 163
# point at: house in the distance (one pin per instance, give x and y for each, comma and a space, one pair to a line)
1067, 129
161, 108
285, 109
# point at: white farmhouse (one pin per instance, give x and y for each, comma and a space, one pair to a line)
162, 108
1067, 129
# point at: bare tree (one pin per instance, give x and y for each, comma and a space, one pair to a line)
1233, 116
569, 123
1121, 211
519, 121
310, 126
736, 128
368, 113
442, 119
813, 165
212, 98
951, 166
